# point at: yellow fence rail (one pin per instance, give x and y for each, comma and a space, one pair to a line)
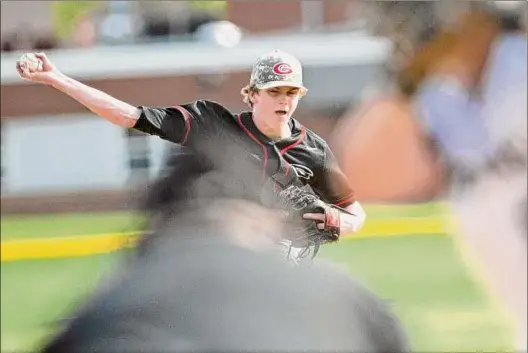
84, 245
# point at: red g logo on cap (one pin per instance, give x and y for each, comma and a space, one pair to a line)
282, 69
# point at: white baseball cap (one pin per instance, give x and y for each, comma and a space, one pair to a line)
277, 69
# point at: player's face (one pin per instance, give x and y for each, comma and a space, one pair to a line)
276, 104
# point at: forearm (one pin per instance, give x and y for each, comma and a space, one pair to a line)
100, 103
352, 223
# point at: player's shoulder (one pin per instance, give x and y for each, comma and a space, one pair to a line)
210, 105
211, 109
311, 138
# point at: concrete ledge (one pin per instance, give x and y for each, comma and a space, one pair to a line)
87, 201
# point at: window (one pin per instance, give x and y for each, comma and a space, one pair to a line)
138, 157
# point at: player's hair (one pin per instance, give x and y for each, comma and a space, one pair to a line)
246, 92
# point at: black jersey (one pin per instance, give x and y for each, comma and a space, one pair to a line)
211, 130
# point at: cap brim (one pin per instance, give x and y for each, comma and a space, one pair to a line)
273, 84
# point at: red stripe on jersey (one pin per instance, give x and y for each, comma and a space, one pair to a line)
349, 200
303, 133
265, 162
187, 118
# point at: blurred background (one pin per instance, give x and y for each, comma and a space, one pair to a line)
70, 180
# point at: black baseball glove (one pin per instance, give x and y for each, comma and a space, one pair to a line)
297, 201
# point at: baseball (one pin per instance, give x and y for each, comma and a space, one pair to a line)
33, 63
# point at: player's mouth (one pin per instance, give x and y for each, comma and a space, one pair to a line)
281, 112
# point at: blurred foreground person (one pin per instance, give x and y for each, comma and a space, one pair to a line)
456, 129
473, 104
206, 281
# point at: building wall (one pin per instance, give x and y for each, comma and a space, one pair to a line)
264, 16
259, 16
25, 15
72, 152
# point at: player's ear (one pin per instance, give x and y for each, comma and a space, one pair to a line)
252, 94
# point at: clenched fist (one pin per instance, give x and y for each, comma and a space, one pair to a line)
42, 72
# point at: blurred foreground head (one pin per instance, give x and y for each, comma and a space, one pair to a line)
205, 282
218, 195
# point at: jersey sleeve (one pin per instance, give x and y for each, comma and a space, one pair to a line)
181, 123
332, 183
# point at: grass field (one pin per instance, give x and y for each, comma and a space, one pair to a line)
441, 305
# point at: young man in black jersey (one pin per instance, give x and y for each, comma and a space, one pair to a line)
267, 136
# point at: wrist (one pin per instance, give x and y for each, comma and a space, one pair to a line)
351, 223
56, 79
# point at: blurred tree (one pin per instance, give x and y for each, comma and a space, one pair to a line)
217, 8
65, 15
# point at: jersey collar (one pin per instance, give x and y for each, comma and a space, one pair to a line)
246, 119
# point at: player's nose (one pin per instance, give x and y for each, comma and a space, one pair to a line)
284, 99
283, 104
